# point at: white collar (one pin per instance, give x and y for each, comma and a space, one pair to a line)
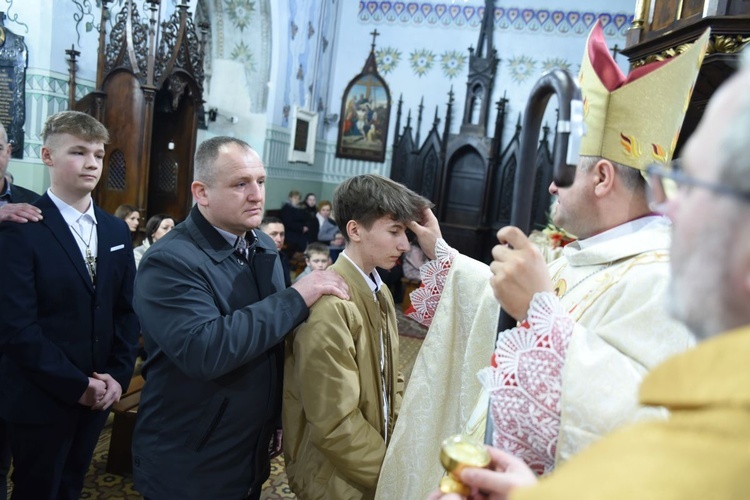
629, 227
373, 279
232, 238
70, 214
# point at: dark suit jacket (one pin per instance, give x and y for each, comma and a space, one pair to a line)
20, 194
56, 329
213, 326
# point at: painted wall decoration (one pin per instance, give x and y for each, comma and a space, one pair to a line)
12, 17
506, 18
521, 68
421, 61
453, 62
365, 114
240, 12
244, 39
388, 59
311, 31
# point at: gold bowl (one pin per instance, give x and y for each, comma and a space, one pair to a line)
456, 453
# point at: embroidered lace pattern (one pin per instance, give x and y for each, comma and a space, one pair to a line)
525, 383
424, 300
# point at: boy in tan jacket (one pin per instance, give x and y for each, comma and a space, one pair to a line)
342, 388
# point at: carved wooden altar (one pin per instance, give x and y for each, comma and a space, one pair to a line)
149, 94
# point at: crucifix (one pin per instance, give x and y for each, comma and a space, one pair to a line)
89, 259
615, 51
90, 265
374, 36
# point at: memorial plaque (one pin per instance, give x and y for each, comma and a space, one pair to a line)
14, 59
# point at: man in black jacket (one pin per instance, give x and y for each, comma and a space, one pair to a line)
14, 199
214, 311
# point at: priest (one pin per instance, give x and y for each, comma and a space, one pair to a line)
592, 323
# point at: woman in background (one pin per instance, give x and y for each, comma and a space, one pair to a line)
310, 207
156, 227
131, 216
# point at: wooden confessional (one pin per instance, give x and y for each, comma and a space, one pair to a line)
149, 94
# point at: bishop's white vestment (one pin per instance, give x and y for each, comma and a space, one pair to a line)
557, 382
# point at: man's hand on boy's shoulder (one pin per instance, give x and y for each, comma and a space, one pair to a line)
20, 212
319, 283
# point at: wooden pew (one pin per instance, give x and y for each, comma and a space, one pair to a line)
120, 456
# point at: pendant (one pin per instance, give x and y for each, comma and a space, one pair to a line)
91, 265
560, 287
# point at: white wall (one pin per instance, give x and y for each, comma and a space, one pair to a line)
525, 49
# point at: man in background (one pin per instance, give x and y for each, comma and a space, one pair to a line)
274, 228
14, 203
14, 199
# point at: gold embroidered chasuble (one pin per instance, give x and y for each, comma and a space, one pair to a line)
615, 296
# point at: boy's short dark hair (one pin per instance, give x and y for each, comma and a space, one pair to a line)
317, 247
369, 197
74, 123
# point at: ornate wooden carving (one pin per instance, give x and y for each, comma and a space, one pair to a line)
150, 96
428, 163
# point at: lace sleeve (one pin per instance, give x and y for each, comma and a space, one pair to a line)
424, 300
525, 383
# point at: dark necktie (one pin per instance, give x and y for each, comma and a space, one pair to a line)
240, 247
246, 248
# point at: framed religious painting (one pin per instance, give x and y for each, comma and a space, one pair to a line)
365, 115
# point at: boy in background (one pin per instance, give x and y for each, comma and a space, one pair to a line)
342, 389
317, 258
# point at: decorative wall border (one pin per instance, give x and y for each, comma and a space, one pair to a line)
452, 64
46, 94
506, 18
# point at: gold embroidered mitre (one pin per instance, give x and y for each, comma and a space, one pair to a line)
635, 120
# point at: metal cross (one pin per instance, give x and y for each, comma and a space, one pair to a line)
374, 36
